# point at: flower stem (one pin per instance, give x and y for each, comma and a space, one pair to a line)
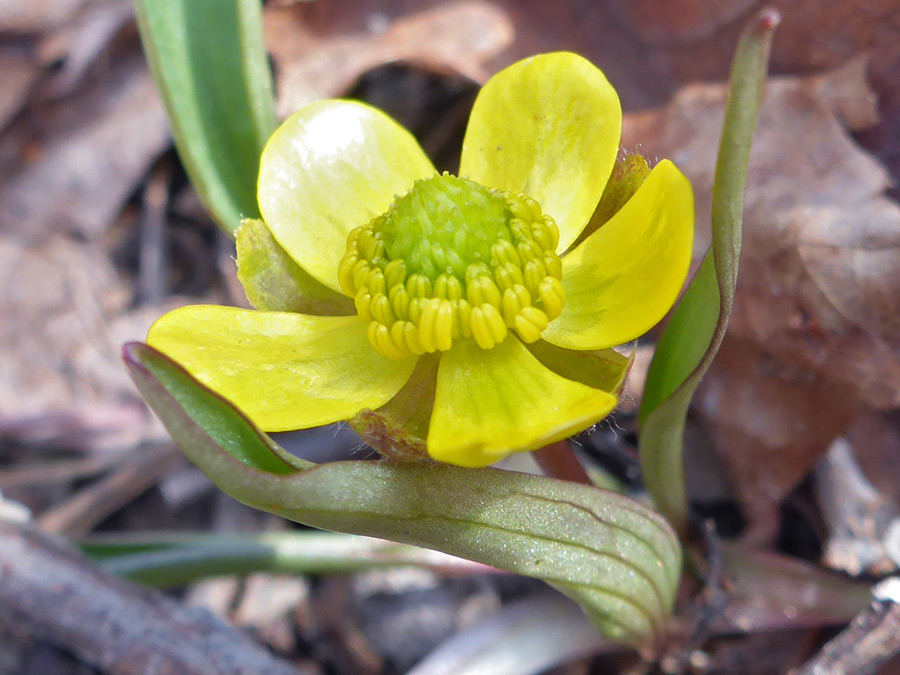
559, 461
701, 316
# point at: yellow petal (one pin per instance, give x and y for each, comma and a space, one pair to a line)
623, 279
284, 370
331, 167
547, 127
490, 403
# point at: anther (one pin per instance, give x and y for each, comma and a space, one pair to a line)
530, 323
427, 323
363, 301
515, 273
504, 279
553, 265
418, 286
399, 301
360, 272
395, 273
553, 296
376, 283
443, 326
380, 309
505, 253
381, 339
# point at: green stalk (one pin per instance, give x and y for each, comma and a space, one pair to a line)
164, 560
698, 324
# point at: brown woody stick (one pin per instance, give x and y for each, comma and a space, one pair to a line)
51, 592
86, 508
870, 641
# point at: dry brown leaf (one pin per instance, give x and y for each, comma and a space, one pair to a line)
37, 16
54, 299
321, 48
875, 438
647, 48
83, 44
814, 330
769, 422
684, 21
19, 72
852, 257
64, 319
89, 155
694, 39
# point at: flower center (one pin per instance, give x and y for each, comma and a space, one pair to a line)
453, 259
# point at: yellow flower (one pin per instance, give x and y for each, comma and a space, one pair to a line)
469, 309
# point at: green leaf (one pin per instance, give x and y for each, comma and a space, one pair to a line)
698, 324
272, 280
603, 369
167, 559
204, 416
615, 557
209, 62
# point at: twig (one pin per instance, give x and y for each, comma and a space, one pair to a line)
866, 644
857, 515
56, 472
152, 269
708, 607
79, 514
50, 592
711, 604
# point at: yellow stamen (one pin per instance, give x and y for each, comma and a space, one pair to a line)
454, 260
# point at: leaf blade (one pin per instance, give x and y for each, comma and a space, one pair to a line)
209, 63
167, 559
618, 559
697, 327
